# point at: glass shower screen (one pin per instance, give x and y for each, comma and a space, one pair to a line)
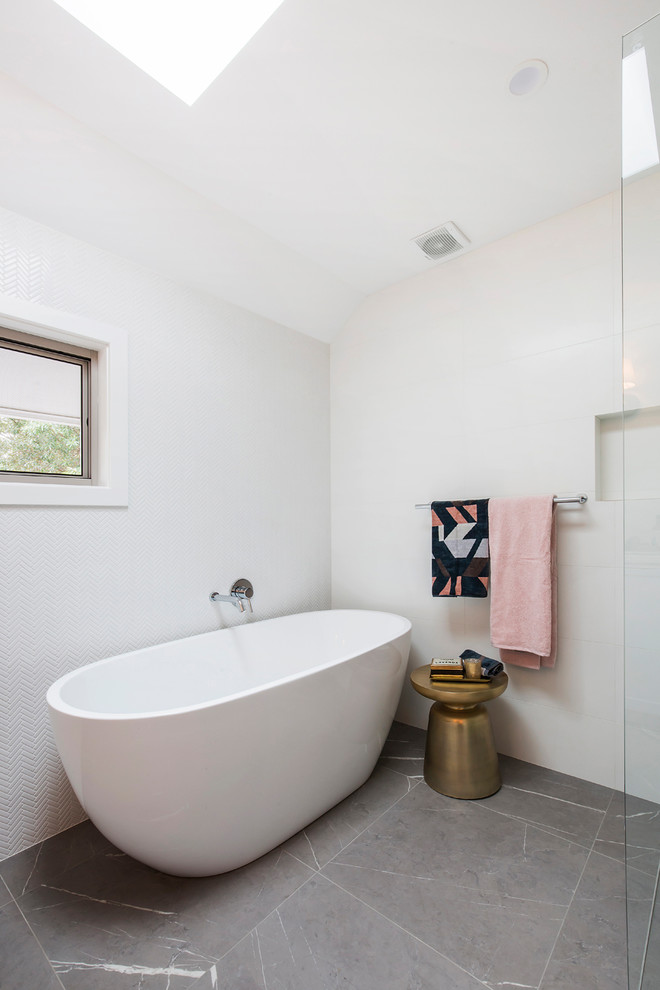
640, 445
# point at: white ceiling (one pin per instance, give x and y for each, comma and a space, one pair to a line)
294, 185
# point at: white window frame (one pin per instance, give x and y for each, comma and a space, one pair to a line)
109, 407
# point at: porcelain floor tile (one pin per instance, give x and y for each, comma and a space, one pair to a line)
5, 896
642, 834
640, 893
322, 939
651, 974
328, 835
551, 783
46, 860
572, 822
403, 751
23, 965
591, 949
431, 836
498, 939
610, 840
468, 881
405, 740
122, 921
631, 830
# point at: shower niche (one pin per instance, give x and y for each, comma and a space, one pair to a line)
640, 426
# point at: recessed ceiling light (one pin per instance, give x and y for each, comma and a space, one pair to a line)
183, 45
528, 77
639, 142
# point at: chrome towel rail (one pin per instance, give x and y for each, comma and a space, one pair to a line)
581, 498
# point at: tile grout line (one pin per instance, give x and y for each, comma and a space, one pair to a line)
439, 882
41, 842
540, 827
34, 866
405, 931
319, 871
31, 930
627, 867
552, 797
55, 876
561, 927
548, 829
404, 759
411, 788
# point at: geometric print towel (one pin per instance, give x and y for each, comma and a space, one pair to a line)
459, 546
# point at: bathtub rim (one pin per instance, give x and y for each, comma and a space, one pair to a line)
57, 704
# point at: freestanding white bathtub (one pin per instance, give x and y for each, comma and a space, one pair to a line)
200, 755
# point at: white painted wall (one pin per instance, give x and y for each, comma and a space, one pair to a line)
482, 377
229, 454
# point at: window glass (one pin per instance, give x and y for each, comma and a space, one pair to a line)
43, 423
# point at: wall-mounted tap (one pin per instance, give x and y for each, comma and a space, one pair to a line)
240, 595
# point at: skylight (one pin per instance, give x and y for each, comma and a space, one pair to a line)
182, 44
640, 145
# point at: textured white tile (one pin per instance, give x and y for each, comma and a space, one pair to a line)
229, 477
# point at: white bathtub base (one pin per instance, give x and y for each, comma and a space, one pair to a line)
210, 787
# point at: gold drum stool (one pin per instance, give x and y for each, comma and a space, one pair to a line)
460, 759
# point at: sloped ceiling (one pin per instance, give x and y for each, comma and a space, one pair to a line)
293, 187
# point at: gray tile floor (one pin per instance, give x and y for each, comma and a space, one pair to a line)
397, 888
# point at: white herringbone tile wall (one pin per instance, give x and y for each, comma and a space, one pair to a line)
229, 463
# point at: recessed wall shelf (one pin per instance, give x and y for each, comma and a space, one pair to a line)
635, 432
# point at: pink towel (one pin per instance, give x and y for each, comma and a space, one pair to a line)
523, 609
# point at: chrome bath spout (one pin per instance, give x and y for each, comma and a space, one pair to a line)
240, 595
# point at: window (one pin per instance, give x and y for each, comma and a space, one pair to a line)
63, 408
44, 410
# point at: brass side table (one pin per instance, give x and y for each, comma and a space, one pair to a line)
460, 759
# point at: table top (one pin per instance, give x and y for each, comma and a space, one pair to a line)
464, 693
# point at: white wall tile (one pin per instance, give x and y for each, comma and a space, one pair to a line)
587, 602
532, 313
584, 680
641, 216
558, 739
642, 598
530, 459
589, 534
641, 351
566, 382
497, 364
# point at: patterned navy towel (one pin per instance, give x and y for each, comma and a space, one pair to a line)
459, 545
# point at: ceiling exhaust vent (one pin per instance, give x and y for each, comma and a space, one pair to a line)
442, 242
